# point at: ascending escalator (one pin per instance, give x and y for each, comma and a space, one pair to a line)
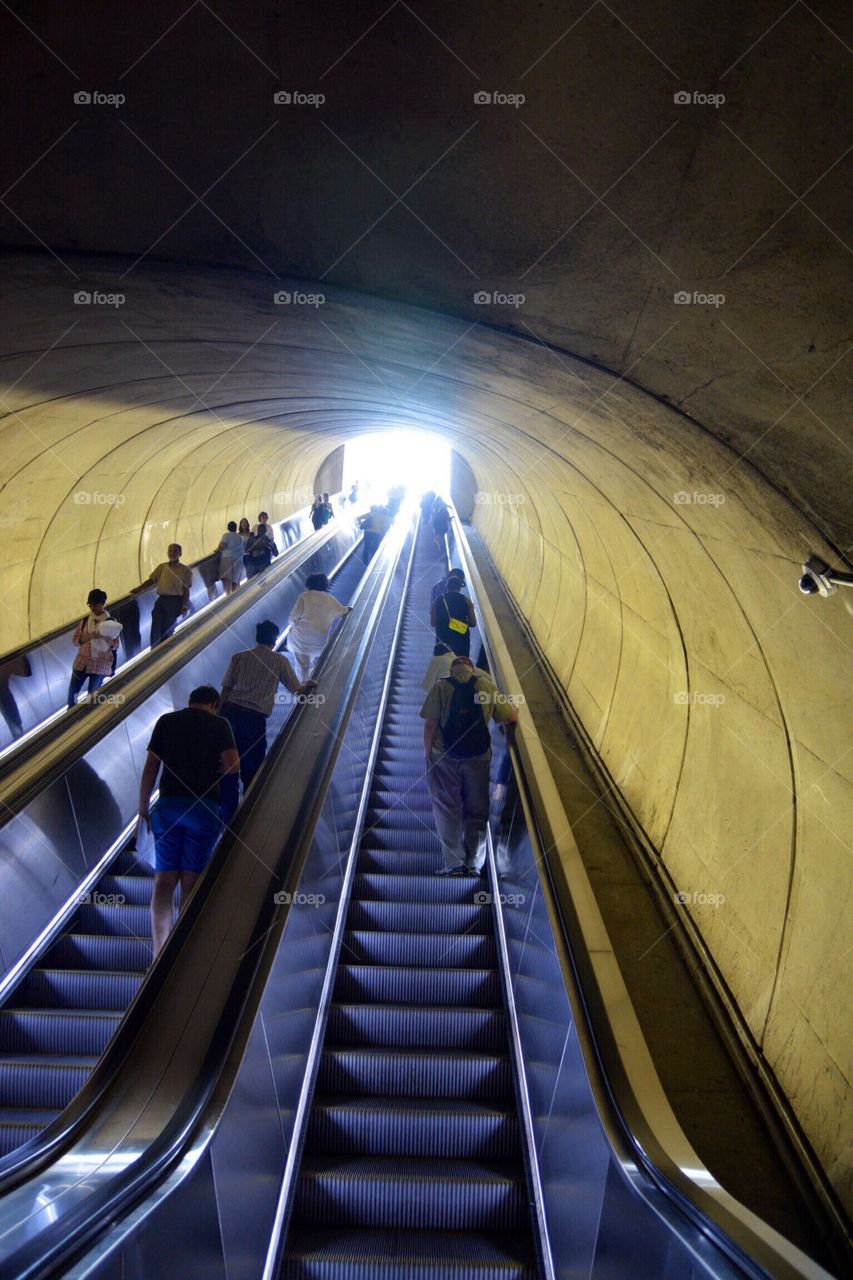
412, 1161
59, 1019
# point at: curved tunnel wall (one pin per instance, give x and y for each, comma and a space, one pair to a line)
658, 574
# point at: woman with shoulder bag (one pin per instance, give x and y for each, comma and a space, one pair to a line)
260, 550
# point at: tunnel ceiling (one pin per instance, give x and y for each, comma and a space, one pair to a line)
598, 199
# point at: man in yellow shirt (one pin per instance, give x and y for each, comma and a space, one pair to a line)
173, 581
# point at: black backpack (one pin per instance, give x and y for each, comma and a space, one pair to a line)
465, 731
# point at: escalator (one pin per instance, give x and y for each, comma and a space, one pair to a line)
344, 1067
60, 1017
412, 1161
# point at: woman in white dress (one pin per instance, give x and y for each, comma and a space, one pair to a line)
230, 558
311, 621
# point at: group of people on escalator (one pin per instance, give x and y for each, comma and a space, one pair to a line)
204, 752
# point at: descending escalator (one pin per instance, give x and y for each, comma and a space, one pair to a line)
60, 1017
412, 1163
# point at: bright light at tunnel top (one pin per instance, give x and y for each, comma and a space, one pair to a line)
415, 459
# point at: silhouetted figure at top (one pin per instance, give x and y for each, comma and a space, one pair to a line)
440, 521
427, 503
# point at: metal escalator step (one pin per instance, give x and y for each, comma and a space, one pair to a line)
17, 1127
362, 1254
131, 863
390, 887
415, 1073
446, 1127
129, 890
399, 1026
27, 1080
395, 984
423, 862
122, 922
76, 989
55, 1031
100, 951
380, 947
419, 839
398, 1192
419, 917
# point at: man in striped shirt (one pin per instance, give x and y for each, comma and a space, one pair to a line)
248, 695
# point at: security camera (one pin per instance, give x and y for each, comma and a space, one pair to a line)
820, 580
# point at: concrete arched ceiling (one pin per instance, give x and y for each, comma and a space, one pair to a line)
599, 198
657, 569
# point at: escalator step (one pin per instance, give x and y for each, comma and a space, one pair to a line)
414, 1073
419, 917
419, 948
398, 1026
76, 989
17, 1127
129, 890
449, 1128
394, 984
26, 1080
360, 1254
390, 859
121, 922
398, 1192
417, 840
131, 863
55, 1031
388, 887
100, 951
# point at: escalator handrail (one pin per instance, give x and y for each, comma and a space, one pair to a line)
50, 753
46, 1250
637, 1118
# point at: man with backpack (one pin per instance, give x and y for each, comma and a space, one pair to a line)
457, 751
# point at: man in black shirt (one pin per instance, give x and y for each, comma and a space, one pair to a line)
453, 616
194, 746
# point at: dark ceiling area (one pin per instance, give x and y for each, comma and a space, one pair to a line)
657, 188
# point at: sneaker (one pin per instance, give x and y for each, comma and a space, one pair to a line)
471, 872
443, 871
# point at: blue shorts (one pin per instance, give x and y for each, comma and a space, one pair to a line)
185, 831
